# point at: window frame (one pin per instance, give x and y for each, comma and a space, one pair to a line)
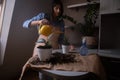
5, 26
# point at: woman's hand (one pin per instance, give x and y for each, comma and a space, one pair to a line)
40, 22
43, 22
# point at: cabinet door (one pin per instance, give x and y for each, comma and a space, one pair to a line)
111, 66
109, 6
110, 31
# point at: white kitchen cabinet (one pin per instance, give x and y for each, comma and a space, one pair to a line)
109, 6
109, 38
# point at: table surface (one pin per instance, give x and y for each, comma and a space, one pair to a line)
102, 52
71, 73
67, 75
64, 74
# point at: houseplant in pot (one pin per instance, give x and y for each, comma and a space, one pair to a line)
65, 45
88, 28
44, 51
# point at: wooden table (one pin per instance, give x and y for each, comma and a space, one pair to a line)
86, 67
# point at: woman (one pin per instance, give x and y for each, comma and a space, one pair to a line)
54, 19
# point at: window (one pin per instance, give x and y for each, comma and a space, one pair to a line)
2, 6
5, 21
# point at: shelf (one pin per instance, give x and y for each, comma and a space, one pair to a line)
110, 12
82, 4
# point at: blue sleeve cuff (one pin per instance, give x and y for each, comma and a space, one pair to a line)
26, 23
40, 16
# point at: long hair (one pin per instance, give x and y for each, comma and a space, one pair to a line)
57, 2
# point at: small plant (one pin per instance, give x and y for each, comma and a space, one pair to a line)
65, 41
46, 46
87, 29
69, 18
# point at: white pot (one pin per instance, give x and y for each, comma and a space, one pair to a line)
44, 54
65, 49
